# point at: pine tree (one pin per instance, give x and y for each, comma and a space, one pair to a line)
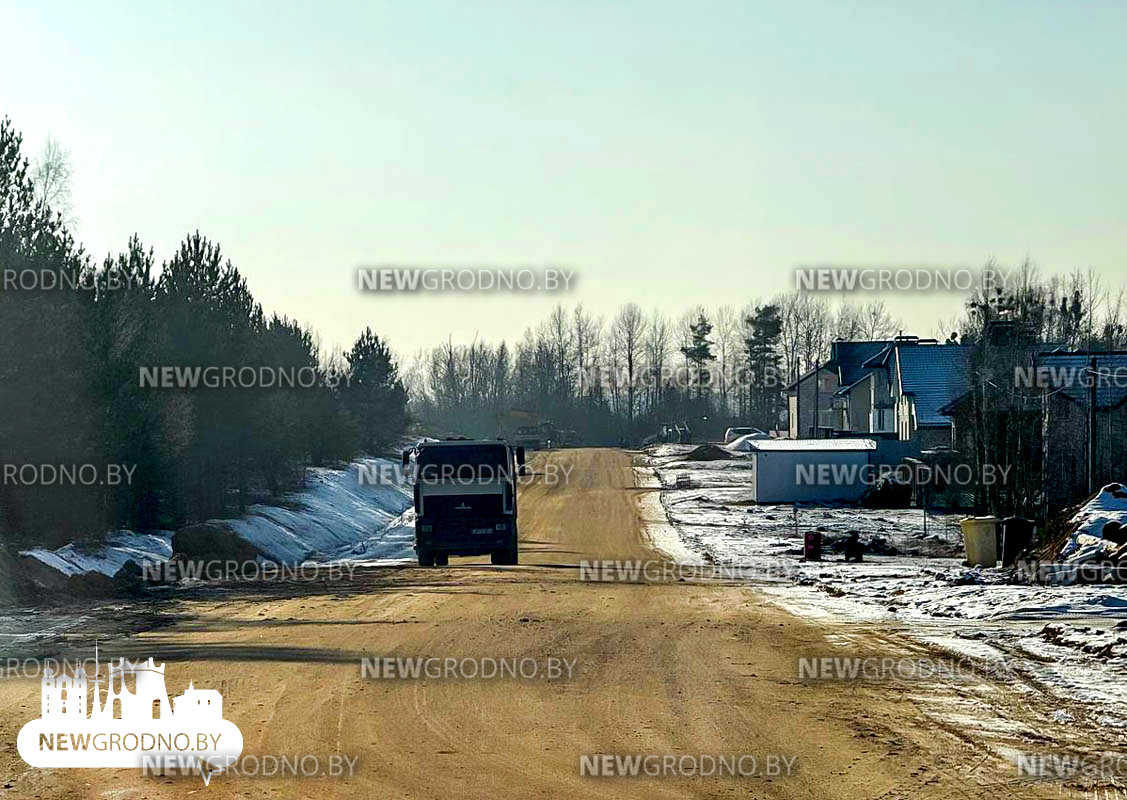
376, 396
699, 351
761, 348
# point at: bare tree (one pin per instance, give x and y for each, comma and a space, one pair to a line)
815, 321
727, 331
876, 322
657, 350
626, 335
585, 335
806, 334
51, 174
789, 339
562, 338
414, 375
948, 329
1112, 326
848, 323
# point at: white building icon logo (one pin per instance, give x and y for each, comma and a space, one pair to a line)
132, 724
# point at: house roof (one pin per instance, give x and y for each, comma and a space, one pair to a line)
934, 374
1069, 373
854, 385
880, 358
951, 407
827, 367
850, 358
810, 445
847, 361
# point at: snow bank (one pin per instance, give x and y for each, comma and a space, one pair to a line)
744, 443
341, 514
1089, 524
668, 450
107, 557
337, 511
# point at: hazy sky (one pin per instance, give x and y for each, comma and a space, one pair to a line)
672, 153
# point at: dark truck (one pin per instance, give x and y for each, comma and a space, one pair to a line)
465, 499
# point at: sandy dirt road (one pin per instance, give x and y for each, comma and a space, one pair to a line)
666, 669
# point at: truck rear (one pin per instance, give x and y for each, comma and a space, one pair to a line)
465, 499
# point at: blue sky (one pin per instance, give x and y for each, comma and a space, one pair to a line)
673, 154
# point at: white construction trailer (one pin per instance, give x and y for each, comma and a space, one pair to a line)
810, 470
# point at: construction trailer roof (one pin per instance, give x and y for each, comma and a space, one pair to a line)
810, 445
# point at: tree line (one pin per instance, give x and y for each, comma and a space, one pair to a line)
619, 378
76, 337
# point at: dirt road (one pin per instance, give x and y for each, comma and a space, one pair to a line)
670, 670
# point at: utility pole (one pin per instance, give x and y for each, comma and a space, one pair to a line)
1093, 375
817, 395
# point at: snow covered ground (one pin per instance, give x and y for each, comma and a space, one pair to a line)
1062, 638
340, 514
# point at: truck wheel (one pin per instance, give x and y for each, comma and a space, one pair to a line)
508, 556
426, 558
441, 559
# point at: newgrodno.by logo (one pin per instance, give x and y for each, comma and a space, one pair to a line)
132, 725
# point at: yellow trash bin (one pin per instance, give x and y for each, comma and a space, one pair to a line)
980, 538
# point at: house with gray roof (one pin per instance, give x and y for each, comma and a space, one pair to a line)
812, 410
899, 391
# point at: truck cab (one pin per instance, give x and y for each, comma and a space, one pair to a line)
465, 499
